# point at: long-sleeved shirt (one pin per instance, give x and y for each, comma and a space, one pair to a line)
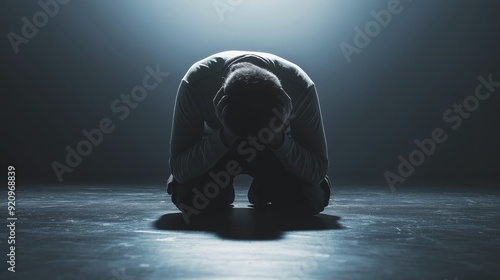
196, 143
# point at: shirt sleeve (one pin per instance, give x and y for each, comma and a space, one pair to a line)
191, 152
304, 150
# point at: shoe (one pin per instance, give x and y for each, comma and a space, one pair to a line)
325, 186
256, 195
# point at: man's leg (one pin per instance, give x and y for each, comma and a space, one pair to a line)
286, 192
208, 193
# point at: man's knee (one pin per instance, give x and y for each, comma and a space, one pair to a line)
202, 196
303, 199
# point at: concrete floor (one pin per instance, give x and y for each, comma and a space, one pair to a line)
134, 232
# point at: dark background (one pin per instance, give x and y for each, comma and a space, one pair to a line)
396, 90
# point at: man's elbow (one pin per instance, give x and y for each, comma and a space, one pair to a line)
319, 172
322, 169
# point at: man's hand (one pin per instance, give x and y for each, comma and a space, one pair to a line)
283, 116
278, 139
283, 109
220, 103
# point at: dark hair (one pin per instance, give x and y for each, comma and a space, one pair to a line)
252, 94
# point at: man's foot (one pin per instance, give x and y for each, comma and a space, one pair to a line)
257, 196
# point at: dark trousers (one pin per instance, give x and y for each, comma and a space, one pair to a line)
272, 183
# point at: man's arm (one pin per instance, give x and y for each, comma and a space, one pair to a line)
191, 154
304, 151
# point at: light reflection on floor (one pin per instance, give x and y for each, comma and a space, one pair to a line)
131, 232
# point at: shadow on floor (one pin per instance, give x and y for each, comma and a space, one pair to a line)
248, 224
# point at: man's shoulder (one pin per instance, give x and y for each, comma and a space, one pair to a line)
203, 69
293, 78
210, 66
